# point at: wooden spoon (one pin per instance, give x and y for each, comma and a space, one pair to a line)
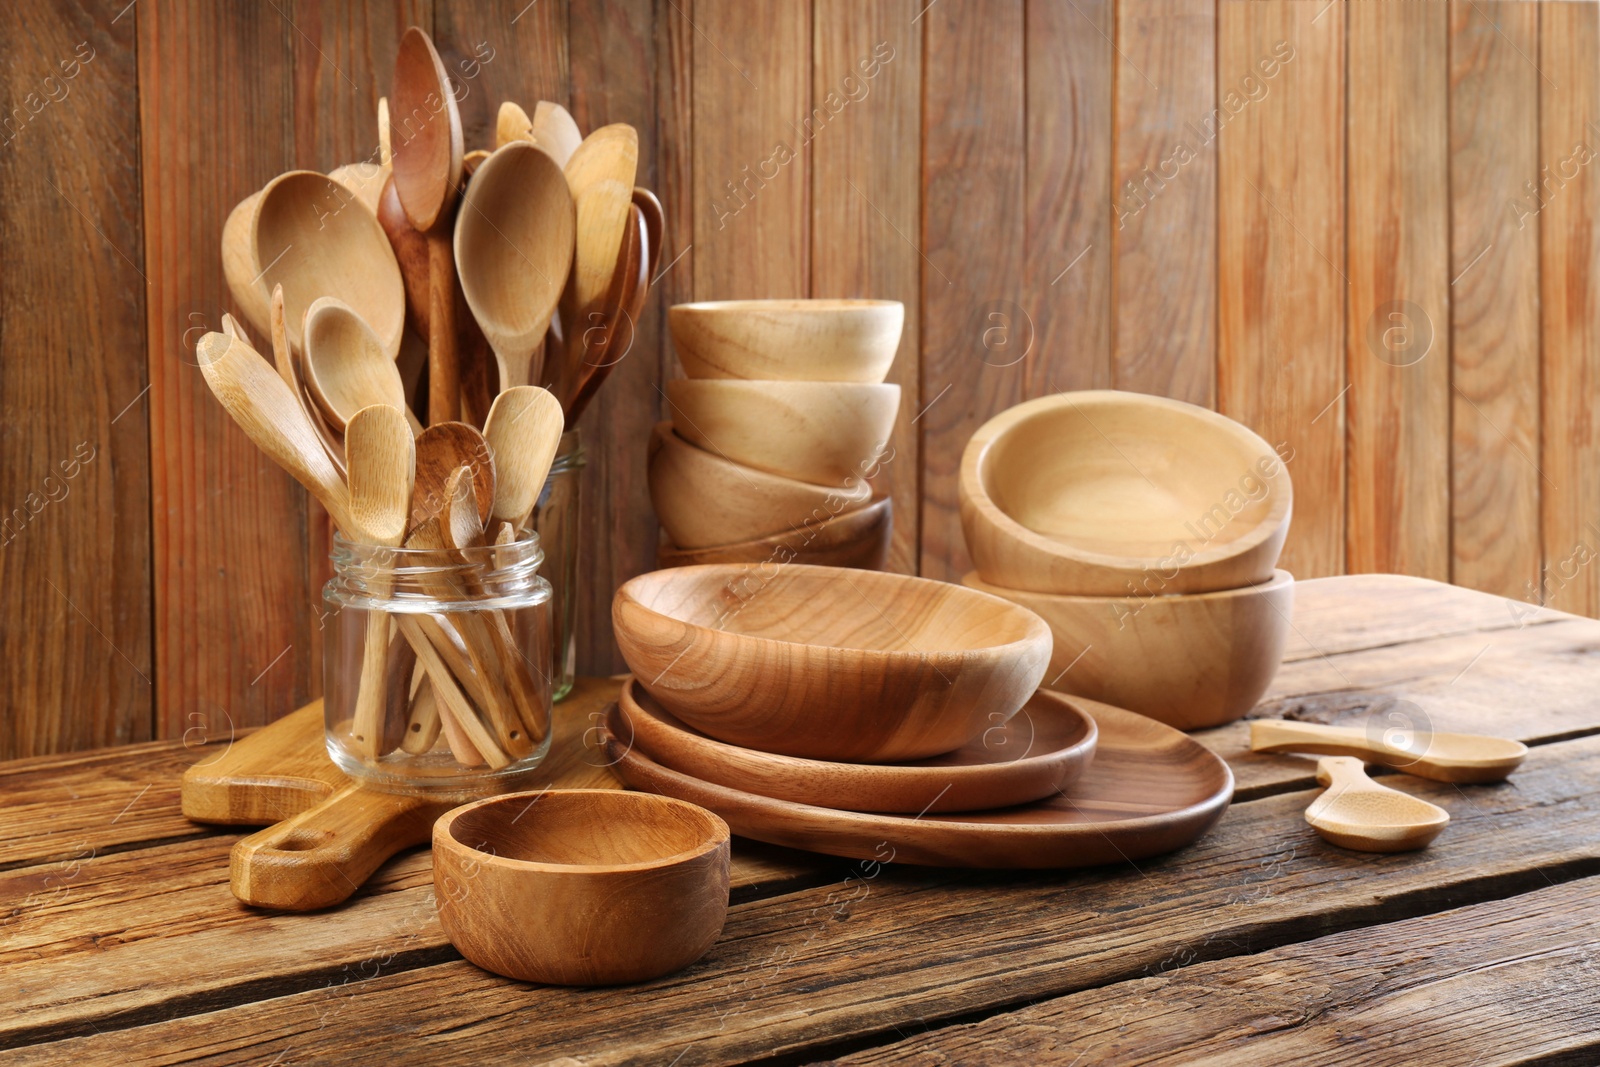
601, 174
239, 264
514, 243
382, 455
1442, 757
555, 132
1358, 813
410, 252
615, 338
364, 180
346, 368
655, 223
266, 410
524, 431
512, 124
441, 449
283, 358
427, 177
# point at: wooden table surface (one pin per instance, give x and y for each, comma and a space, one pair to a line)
1260, 944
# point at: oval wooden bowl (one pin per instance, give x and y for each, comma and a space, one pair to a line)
1041, 749
788, 340
1104, 493
581, 886
828, 663
818, 432
858, 538
1190, 661
704, 500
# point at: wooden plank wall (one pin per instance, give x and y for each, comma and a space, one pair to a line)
1364, 229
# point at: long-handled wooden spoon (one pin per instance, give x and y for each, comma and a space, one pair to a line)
524, 430
288, 364
655, 223
601, 174
624, 304
1443, 757
239, 265
514, 242
346, 367
426, 128
512, 124
1358, 813
555, 131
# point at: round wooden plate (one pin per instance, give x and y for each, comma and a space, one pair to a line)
1150, 789
1041, 749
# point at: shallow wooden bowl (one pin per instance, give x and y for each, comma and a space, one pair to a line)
1190, 661
704, 500
818, 432
1041, 750
826, 662
581, 886
1104, 493
788, 340
858, 538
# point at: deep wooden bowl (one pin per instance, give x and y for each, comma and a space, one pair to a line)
828, 663
788, 340
581, 886
1190, 661
704, 500
1104, 493
818, 432
858, 538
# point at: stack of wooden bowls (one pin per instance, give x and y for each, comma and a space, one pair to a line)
776, 432
1146, 533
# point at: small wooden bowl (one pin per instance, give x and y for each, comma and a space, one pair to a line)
788, 340
1190, 661
581, 886
1039, 752
818, 432
859, 538
704, 500
828, 663
1104, 493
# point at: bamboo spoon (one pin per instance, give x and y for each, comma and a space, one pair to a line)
512, 124
555, 132
346, 368
514, 243
239, 264
268, 413
283, 358
1442, 757
631, 286
382, 454
524, 431
441, 449
600, 174
427, 177
1360, 814
655, 223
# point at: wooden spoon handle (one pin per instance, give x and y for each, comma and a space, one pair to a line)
444, 374
1281, 735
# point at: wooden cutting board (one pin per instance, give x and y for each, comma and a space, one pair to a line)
325, 834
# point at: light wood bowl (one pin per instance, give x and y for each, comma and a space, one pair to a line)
828, 663
704, 500
581, 886
859, 538
788, 340
818, 432
1105, 493
1190, 661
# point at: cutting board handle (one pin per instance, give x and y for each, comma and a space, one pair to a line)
320, 857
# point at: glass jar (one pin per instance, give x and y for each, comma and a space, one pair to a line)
555, 519
436, 666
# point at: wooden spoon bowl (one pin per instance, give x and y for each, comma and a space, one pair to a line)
581, 886
788, 340
1191, 661
704, 500
858, 538
1105, 493
818, 432
829, 663
1358, 813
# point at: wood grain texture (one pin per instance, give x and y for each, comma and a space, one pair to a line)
1375, 991
1069, 63
865, 204
752, 96
1397, 328
1164, 190
975, 334
1569, 38
232, 637
1281, 278
74, 465
496, 50
1494, 298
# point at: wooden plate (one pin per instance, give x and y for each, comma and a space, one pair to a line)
1043, 748
1150, 789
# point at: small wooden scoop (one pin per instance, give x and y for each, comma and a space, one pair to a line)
1360, 814
1441, 757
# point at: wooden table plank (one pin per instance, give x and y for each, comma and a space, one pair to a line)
1509, 982
882, 948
